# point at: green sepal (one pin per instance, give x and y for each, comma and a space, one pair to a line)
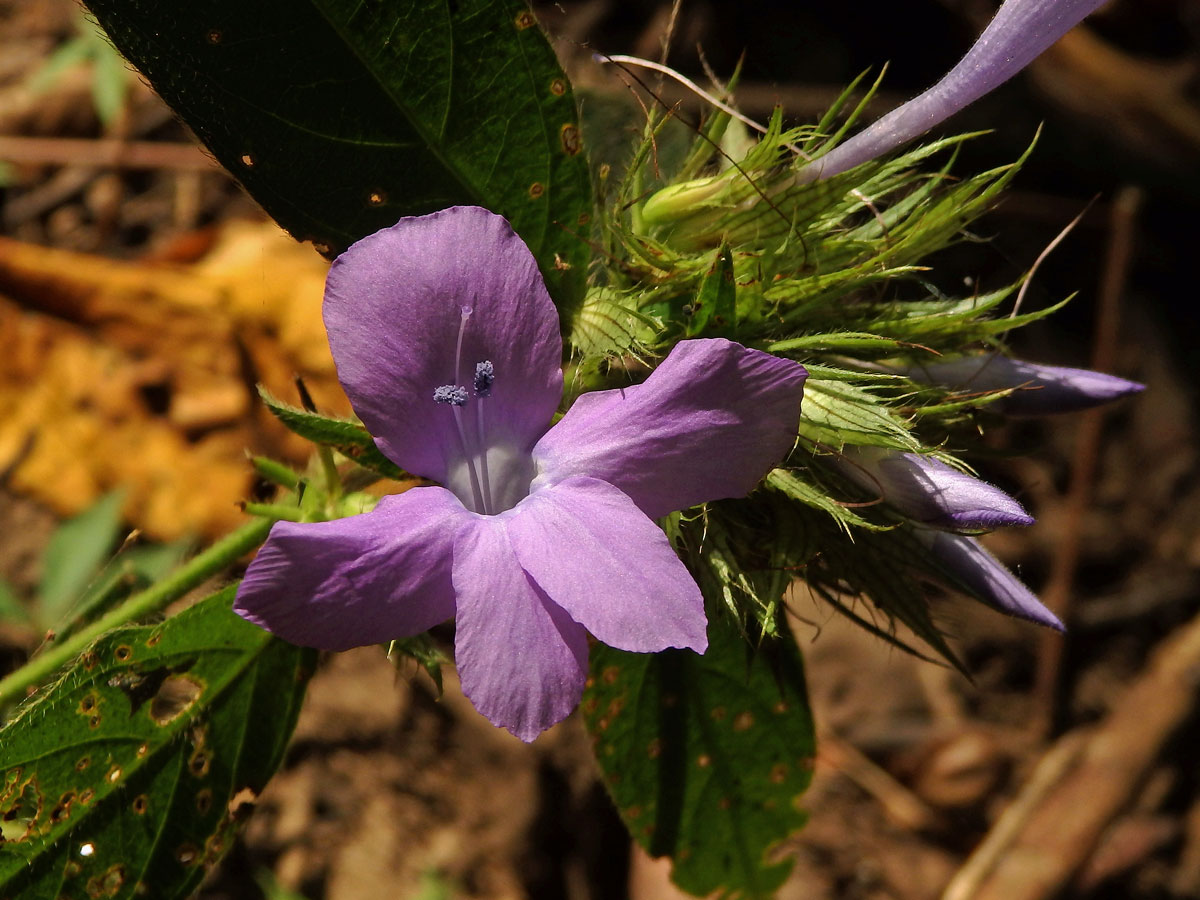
347, 437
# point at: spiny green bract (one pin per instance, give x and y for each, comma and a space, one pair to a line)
749, 251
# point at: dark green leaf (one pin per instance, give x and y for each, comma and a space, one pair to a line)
348, 438
75, 554
341, 116
706, 756
125, 778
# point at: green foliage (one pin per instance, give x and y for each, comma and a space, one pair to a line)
74, 556
706, 756
127, 777
90, 47
341, 116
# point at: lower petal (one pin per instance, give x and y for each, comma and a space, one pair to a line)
521, 659
599, 557
360, 580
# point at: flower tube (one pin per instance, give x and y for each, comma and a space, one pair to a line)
929, 491
1019, 33
1037, 389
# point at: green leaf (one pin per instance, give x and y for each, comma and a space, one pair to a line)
75, 554
705, 756
341, 116
348, 438
836, 413
124, 779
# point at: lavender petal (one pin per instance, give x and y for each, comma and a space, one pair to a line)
708, 423
361, 580
393, 310
597, 556
521, 659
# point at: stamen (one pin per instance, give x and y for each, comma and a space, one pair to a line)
485, 375
452, 394
480, 505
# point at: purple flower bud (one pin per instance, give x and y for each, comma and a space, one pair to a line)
985, 577
1040, 390
929, 491
1018, 34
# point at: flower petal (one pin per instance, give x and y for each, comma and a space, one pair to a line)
521, 659
708, 423
601, 559
1019, 33
1042, 390
986, 578
361, 580
393, 310
928, 490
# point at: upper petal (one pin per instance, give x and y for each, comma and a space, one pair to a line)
393, 308
601, 559
361, 580
521, 659
708, 423
1019, 33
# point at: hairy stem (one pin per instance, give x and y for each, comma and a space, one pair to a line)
152, 600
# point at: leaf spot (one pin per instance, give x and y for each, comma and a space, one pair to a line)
114, 775
107, 883
89, 703
83, 763
584, 218
123, 653
744, 721
94, 722
142, 750
199, 763
704, 761
248, 160
62, 809
525, 20
725, 803
558, 87
140, 804
610, 674
214, 36
87, 849
536, 189
187, 853
204, 801
780, 708
86, 795
654, 751
571, 141
376, 198
778, 773
718, 713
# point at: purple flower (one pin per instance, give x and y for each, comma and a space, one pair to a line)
1039, 390
929, 491
448, 346
981, 574
1019, 33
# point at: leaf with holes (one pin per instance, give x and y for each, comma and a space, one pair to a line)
341, 116
706, 756
125, 779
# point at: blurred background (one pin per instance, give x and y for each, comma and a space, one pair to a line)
142, 297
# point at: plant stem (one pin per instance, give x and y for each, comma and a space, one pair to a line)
152, 600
